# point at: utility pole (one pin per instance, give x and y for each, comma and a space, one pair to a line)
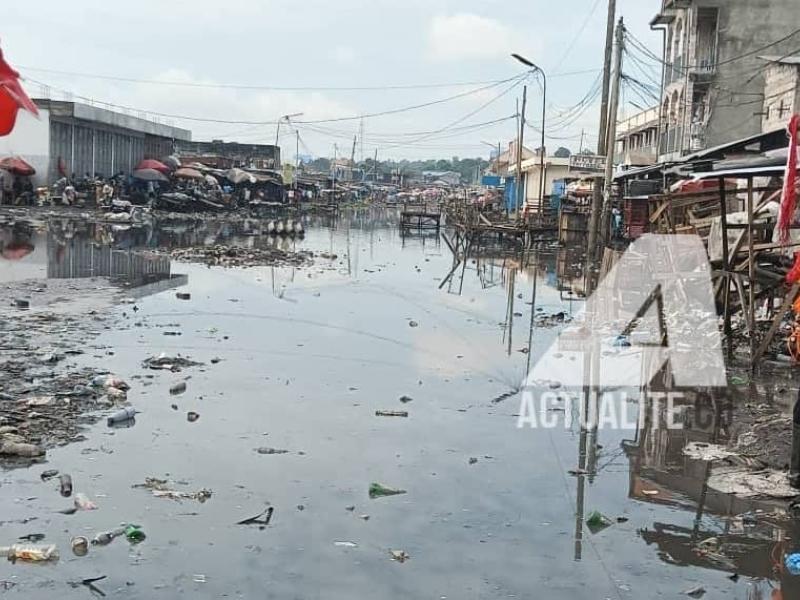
353, 159
335, 149
375, 165
580, 148
296, 158
520, 185
361, 141
611, 139
601, 143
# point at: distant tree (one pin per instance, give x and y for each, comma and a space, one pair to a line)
562, 153
321, 165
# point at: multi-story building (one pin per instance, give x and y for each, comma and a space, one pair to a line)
637, 139
713, 78
781, 91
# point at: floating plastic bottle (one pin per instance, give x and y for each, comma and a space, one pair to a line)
30, 552
65, 482
126, 414
106, 537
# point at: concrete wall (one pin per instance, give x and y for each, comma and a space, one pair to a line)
30, 140
781, 95
116, 119
712, 100
554, 169
744, 26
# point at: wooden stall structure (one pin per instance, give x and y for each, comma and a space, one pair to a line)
421, 215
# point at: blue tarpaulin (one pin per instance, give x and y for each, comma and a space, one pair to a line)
491, 180
511, 194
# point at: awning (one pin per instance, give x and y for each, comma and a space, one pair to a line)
744, 173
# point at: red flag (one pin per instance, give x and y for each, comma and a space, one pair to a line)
12, 97
789, 195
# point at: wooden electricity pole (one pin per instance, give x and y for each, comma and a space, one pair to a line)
611, 138
597, 199
520, 185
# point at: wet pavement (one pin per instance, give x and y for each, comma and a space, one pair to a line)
300, 359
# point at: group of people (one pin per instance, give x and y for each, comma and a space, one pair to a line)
15, 189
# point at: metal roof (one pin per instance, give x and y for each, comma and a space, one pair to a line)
744, 173
741, 143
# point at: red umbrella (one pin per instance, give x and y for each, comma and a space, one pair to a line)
16, 165
17, 250
12, 97
151, 163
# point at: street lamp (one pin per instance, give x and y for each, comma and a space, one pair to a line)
280, 120
535, 67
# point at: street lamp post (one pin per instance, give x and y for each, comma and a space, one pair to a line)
278, 128
535, 67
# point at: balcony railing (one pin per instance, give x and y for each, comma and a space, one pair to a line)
705, 66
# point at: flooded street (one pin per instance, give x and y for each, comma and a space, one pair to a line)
299, 359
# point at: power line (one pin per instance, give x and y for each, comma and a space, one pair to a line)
642, 47
516, 81
577, 35
242, 86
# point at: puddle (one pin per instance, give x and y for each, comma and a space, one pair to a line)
300, 359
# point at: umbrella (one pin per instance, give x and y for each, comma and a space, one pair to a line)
172, 161
237, 176
16, 165
12, 97
149, 163
149, 175
17, 250
187, 173
211, 180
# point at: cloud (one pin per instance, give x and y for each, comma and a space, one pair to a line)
467, 36
344, 55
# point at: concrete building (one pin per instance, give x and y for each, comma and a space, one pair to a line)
500, 162
554, 169
79, 138
781, 91
637, 139
224, 155
713, 78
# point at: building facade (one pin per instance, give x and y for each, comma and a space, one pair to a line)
73, 138
554, 169
713, 79
637, 139
781, 91
224, 155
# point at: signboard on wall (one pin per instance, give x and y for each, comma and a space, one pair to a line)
588, 164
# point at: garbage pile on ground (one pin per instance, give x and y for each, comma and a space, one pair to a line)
47, 398
237, 256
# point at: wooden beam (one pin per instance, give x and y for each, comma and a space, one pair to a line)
788, 300
751, 272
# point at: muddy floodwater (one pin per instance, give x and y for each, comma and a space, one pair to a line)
295, 362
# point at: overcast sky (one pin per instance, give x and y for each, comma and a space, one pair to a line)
326, 44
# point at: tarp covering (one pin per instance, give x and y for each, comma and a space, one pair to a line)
14, 164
